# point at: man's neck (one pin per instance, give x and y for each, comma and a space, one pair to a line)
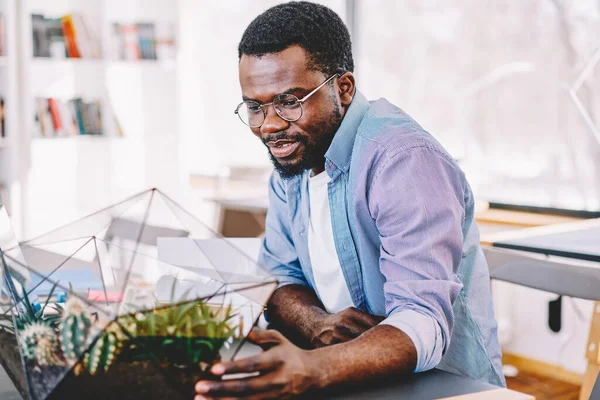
317, 171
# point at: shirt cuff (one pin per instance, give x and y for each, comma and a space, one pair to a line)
289, 280
425, 333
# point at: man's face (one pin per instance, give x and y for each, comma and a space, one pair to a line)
300, 145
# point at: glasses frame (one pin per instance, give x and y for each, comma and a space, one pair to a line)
264, 106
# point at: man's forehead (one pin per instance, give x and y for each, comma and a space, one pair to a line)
274, 73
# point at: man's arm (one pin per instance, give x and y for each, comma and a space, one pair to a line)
379, 353
294, 307
421, 231
296, 310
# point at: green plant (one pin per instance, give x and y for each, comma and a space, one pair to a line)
102, 354
183, 335
79, 336
39, 343
30, 315
74, 328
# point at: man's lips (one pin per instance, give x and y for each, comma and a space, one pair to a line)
282, 148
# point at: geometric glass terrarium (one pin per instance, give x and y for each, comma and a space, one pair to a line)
135, 301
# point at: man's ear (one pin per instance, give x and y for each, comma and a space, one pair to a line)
347, 88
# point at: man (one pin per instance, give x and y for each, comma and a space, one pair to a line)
370, 227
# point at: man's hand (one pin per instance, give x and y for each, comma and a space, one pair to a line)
284, 371
297, 311
342, 327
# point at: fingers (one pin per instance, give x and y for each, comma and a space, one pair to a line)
238, 387
345, 326
272, 394
363, 319
266, 361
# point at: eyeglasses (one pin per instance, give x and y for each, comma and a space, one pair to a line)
287, 106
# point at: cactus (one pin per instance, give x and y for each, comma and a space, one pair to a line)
103, 353
39, 343
75, 326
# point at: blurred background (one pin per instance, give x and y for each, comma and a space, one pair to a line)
101, 99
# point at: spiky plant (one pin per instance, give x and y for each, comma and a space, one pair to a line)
74, 328
39, 343
37, 332
30, 315
103, 353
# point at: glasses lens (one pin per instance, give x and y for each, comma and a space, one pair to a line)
251, 113
288, 107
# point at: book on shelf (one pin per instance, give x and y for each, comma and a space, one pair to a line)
65, 37
143, 41
62, 118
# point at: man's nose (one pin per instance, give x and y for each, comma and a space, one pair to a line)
273, 122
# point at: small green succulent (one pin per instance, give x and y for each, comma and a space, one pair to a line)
182, 334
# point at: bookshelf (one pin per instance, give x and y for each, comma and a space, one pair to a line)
10, 143
60, 178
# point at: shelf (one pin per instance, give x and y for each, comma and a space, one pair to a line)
161, 64
51, 62
77, 137
48, 61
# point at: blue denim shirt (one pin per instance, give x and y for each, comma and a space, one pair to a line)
402, 215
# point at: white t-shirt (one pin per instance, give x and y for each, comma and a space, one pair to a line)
330, 283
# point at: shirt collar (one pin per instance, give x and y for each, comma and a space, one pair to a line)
340, 150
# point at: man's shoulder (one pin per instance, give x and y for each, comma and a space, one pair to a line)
387, 129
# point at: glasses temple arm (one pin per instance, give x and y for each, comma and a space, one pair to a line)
318, 87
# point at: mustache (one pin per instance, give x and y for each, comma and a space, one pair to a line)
284, 136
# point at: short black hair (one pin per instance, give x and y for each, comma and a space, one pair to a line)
315, 28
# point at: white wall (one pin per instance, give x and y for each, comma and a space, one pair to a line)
522, 315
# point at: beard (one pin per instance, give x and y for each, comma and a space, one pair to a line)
313, 154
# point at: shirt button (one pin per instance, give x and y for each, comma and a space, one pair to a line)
345, 245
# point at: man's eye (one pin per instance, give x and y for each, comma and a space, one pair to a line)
254, 108
290, 103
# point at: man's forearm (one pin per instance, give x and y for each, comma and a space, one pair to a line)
297, 309
381, 352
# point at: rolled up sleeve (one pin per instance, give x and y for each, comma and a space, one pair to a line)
425, 333
417, 201
277, 252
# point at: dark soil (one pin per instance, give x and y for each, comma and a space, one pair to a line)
140, 380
